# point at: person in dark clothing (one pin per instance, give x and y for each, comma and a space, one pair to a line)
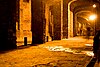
96, 44
88, 32
80, 32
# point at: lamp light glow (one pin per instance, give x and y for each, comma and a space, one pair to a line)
92, 17
94, 6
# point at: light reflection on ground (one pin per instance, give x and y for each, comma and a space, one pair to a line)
89, 53
61, 48
88, 44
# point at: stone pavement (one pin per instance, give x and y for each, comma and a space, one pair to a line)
72, 52
97, 64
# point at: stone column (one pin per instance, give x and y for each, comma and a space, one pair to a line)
49, 22
61, 19
70, 20
75, 31
7, 24
65, 19
56, 12
97, 23
38, 21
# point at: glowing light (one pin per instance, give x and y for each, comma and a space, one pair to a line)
94, 6
61, 48
89, 53
92, 17
88, 44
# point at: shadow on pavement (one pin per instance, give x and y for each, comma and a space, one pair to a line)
92, 62
18, 48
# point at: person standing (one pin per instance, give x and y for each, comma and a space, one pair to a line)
88, 32
80, 32
96, 45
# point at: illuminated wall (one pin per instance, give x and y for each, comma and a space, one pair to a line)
24, 21
49, 23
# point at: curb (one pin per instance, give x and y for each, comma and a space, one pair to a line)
91, 62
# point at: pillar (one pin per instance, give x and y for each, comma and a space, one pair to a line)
65, 19
56, 12
98, 17
70, 20
49, 22
38, 21
7, 24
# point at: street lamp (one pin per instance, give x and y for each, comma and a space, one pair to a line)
93, 18
94, 6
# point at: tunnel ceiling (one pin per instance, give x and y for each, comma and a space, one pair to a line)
83, 8
84, 14
81, 20
81, 3
77, 6
84, 21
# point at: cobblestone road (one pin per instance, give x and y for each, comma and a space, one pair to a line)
75, 52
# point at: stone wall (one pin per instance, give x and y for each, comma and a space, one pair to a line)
65, 19
38, 21
7, 24
56, 12
24, 21
49, 23
97, 23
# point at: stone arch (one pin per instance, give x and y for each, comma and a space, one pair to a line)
86, 9
82, 19
72, 5
70, 17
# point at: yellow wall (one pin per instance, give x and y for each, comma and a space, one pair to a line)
25, 21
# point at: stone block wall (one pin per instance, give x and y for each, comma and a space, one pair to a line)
38, 21
49, 23
65, 19
24, 21
56, 12
98, 18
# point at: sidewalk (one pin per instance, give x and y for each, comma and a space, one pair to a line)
73, 52
97, 64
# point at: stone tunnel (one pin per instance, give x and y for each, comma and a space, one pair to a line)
45, 20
